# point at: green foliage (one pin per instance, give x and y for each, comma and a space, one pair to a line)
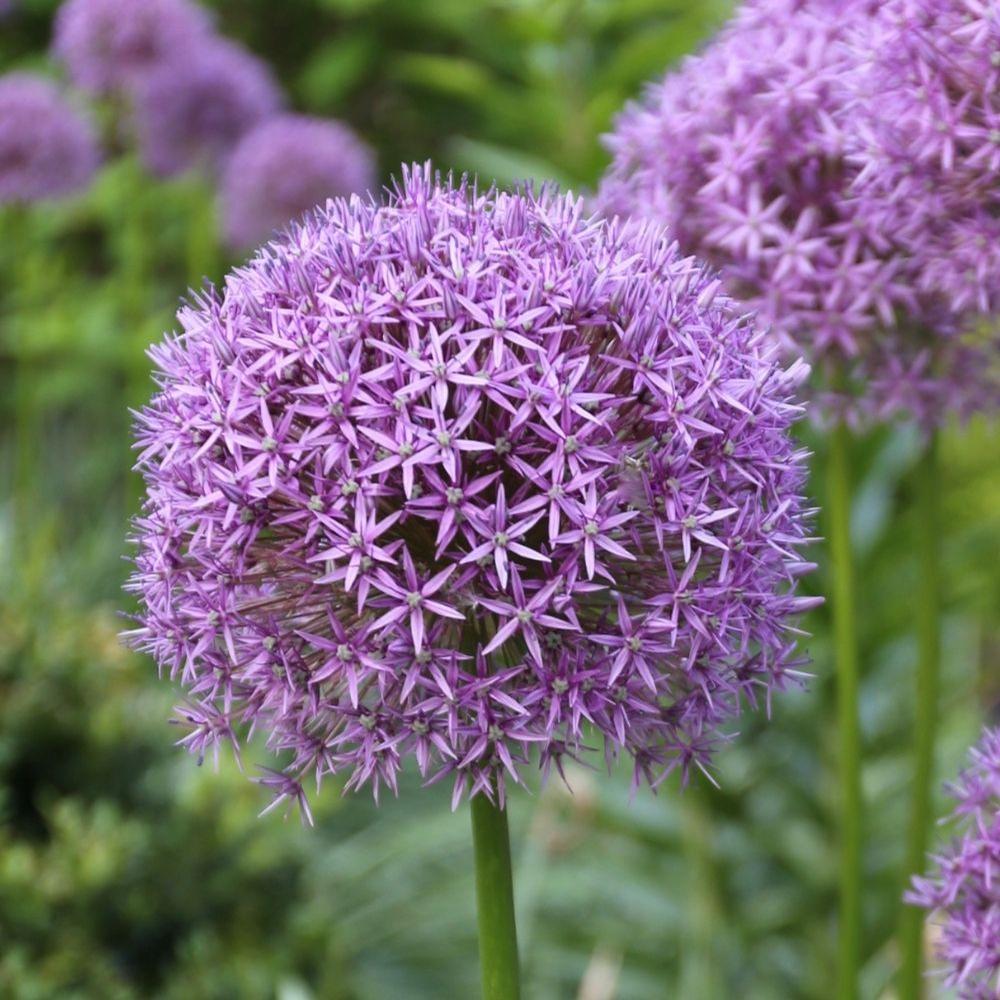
126, 871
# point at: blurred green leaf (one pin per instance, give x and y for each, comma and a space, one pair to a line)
506, 166
335, 69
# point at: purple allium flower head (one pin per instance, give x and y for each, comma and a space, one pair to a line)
928, 143
261, 192
191, 112
47, 149
965, 888
464, 474
747, 153
109, 45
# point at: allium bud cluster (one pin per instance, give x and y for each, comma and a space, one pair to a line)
261, 192
47, 149
193, 114
109, 45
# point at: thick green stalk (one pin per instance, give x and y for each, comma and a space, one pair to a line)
928, 627
849, 729
701, 973
495, 902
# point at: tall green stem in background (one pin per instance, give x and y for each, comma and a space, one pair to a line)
135, 272
928, 628
202, 234
26, 292
845, 643
495, 901
701, 972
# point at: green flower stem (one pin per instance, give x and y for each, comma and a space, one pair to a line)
27, 294
495, 902
202, 234
135, 271
701, 973
928, 610
845, 640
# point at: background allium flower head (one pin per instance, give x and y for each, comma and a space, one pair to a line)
746, 153
965, 888
461, 475
929, 148
191, 112
262, 191
46, 148
109, 45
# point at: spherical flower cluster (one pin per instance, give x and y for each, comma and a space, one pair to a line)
260, 193
928, 144
46, 149
461, 476
191, 113
109, 45
965, 889
747, 153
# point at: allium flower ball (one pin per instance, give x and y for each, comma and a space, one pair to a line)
965, 887
47, 150
929, 145
262, 191
191, 112
747, 153
109, 45
466, 478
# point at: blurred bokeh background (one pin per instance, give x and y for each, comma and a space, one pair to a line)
127, 871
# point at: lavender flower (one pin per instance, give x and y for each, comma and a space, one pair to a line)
46, 149
260, 192
748, 154
461, 475
191, 112
964, 889
109, 45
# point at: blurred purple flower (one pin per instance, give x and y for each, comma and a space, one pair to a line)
462, 475
928, 144
261, 192
109, 45
748, 154
192, 111
965, 887
47, 149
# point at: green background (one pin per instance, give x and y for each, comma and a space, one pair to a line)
126, 871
